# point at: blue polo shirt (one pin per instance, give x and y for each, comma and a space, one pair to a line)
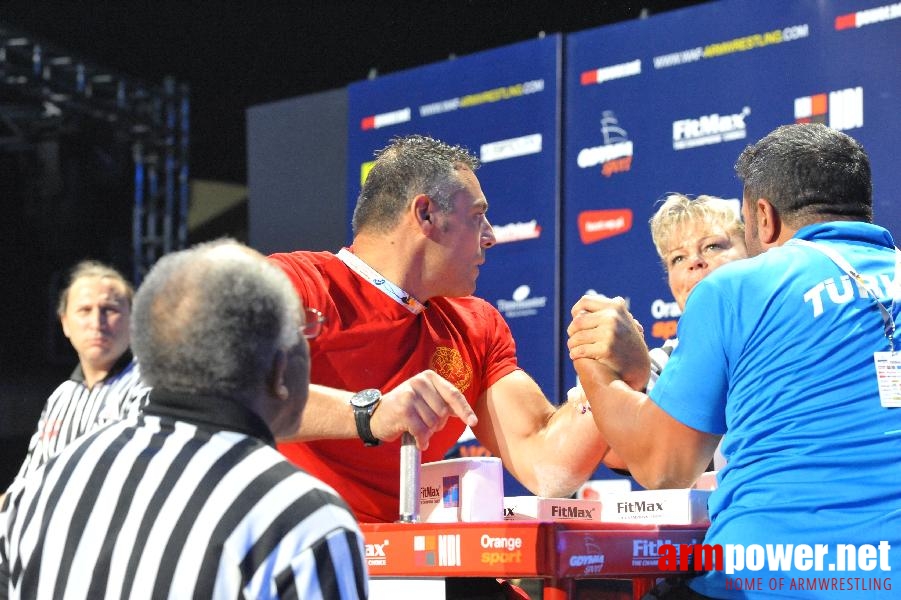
776, 354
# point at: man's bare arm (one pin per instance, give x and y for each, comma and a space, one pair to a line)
421, 405
550, 450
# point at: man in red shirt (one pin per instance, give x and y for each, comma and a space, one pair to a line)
406, 348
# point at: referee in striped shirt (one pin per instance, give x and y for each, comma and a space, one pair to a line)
190, 498
94, 310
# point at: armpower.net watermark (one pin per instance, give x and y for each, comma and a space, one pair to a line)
836, 570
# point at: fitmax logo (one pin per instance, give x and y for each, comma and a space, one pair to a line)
376, 554
572, 512
710, 129
427, 492
639, 506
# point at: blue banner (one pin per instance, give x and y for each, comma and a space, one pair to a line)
667, 104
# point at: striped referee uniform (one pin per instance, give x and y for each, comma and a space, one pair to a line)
189, 499
73, 409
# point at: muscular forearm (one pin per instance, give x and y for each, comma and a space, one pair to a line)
421, 405
563, 454
659, 451
574, 447
550, 450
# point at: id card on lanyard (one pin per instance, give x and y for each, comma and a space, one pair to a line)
888, 377
888, 364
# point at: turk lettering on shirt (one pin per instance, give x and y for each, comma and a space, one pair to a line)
841, 290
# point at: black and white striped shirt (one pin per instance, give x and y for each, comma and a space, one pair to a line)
189, 499
73, 410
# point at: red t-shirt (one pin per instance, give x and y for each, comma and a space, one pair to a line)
371, 341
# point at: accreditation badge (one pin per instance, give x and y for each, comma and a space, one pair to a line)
888, 378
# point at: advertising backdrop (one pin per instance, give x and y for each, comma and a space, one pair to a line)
581, 136
667, 104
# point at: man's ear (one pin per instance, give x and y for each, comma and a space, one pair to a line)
275, 380
769, 225
422, 210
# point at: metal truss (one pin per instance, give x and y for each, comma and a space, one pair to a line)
45, 91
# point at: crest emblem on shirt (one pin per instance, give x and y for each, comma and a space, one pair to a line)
448, 363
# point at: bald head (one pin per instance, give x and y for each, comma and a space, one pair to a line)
209, 320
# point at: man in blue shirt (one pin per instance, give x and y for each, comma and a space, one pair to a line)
788, 357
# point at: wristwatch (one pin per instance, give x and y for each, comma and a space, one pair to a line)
364, 404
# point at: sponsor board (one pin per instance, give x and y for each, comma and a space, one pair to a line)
604, 553
385, 119
469, 549
521, 304
597, 225
862, 18
510, 148
442, 550
518, 548
660, 507
591, 559
525, 508
710, 129
377, 554
515, 232
646, 552
666, 319
745, 43
618, 71
841, 109
664, 330
497, 94
663, 309
506, 550
614, 155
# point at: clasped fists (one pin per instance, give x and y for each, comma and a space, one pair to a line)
421, 405
604, 330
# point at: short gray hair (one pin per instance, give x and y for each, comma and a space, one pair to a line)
209, 320
408, 166
678, 210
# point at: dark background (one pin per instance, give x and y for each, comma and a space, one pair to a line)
235, 55
69, 195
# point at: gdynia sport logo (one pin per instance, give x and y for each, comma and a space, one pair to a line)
843, 566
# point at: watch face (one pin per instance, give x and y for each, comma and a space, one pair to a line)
365, 398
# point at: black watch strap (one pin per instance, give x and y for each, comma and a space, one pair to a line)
362, 416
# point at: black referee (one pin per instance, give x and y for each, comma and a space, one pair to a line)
190, 499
